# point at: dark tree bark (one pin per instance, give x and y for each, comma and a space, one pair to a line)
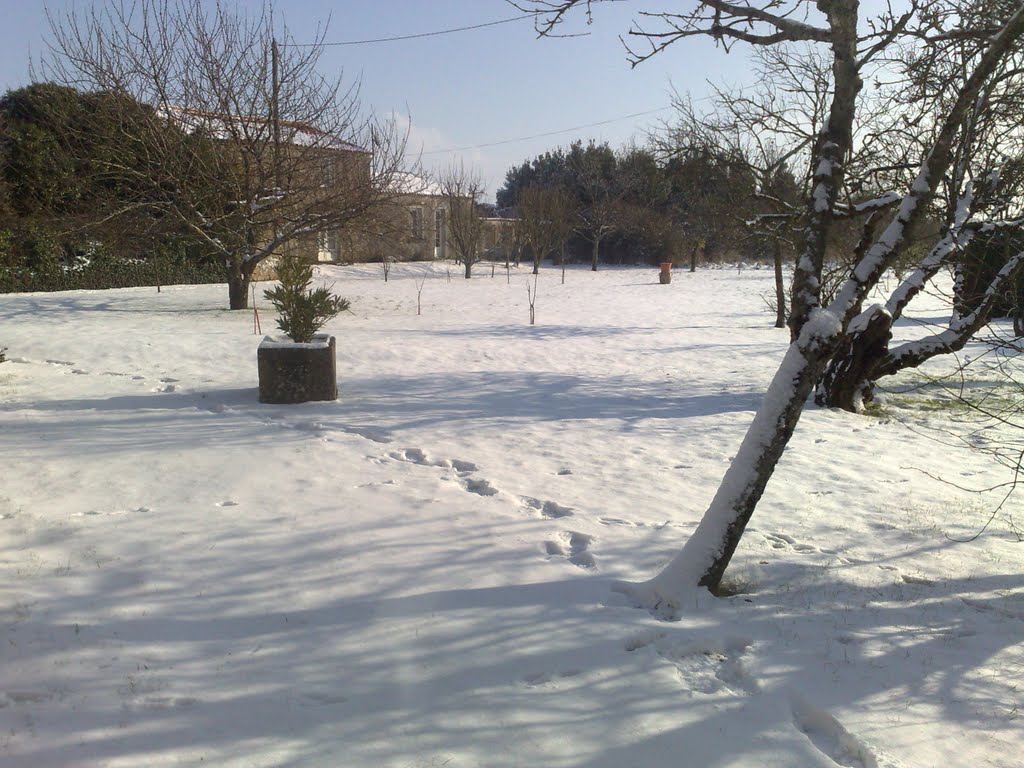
696, 255
847, 381
780, 284
238, 289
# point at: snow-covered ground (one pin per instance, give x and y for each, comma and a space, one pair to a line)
418, 574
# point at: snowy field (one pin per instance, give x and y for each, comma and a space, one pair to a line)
417, 575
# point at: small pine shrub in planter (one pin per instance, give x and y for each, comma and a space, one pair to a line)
301, 311
301, 367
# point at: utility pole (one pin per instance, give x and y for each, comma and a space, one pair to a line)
275, 109
275, 124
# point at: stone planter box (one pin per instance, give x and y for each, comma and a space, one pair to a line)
297, 373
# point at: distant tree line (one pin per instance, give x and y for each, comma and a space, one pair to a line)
707, 188
683, 203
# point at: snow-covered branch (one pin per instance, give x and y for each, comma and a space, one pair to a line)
886, 200
960, 330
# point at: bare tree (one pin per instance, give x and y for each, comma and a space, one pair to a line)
978, 205
509, 242
818, 329
768, 127
531, 296
562, 220
419, 281
734, 161
270, 157
600, 192
545, 221
462, 190
709, 186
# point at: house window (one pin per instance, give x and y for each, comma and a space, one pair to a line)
417, 223
439, 229
330, 246
328, 173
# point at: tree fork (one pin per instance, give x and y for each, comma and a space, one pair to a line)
848, 380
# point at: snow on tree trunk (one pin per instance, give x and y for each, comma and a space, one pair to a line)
847, 381
864, 355
815, 333
705, 556
960, 330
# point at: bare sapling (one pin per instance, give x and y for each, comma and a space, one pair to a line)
461, 189
256, 328
419, 294
531, 294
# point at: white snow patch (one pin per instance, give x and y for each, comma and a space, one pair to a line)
191, 577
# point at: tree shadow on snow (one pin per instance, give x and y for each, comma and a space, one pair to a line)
409, 402
265, 653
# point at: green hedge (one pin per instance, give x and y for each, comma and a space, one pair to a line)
109, 273
33, 259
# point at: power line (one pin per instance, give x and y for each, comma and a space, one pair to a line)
418, 35
547, 133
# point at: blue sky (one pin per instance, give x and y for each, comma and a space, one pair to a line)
470, 88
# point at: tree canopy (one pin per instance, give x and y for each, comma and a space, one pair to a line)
269, 155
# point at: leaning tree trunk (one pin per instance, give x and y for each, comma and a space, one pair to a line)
815, 336
816, 332
706, 554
